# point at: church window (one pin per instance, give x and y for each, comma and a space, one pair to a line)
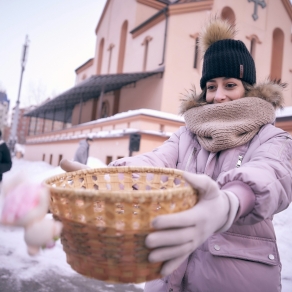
100, 55
277, 54
122, 49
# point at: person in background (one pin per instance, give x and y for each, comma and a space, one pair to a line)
5, 157
82, 152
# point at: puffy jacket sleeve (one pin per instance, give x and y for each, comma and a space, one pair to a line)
165, 155
5, 158
263, 185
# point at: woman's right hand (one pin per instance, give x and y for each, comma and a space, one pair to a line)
177, 235
68, 165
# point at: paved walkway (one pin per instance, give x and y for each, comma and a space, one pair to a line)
53, 282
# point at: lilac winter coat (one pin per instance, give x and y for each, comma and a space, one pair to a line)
245, 258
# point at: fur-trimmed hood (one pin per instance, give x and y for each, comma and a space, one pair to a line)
271, 91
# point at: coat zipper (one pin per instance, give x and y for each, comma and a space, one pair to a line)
240, 158
192, 155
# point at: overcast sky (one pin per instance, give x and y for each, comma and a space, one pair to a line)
62, 37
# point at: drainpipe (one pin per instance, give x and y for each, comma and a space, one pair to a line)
44, 122
65, 114
165, 34
99, 104
36, 123
80, 109
53, 122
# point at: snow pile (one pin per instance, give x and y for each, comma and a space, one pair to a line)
95, 162
19, 148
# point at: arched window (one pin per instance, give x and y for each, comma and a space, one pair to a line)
84, 77
146, 44
100, 54
254, 40
196, 51
277, 54
196, 57
122, 49
252, 47
228, 14
110, 50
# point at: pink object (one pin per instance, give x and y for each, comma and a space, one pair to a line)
26, 205
19, 202
50, 244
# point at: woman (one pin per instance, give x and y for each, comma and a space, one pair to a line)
240, 163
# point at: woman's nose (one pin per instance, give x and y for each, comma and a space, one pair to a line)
219, 96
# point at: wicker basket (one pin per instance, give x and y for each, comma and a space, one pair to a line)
106, 215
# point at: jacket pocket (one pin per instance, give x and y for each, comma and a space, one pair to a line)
244, 247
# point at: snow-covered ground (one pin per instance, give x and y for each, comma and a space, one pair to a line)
49, 270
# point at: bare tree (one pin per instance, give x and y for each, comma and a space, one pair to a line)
37, 93
54, 93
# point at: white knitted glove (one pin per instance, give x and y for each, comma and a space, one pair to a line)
68, 165
181, 233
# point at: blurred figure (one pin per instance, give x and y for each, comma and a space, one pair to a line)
5, 157
82, 151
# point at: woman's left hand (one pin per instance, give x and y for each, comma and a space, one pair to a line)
179, 234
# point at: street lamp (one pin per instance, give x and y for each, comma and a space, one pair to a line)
13, 133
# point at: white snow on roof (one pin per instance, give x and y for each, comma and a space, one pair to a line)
100, 134
142, 111
286, 112
113, 133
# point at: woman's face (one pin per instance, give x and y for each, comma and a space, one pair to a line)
223, 89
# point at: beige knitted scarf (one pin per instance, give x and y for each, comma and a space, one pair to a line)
226, 125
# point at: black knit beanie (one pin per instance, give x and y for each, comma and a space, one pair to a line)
228, 58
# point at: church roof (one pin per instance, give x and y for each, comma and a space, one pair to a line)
60, 108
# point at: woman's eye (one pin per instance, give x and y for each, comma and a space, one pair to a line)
230, 85
210, 87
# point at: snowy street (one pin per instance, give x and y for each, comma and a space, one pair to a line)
49, 271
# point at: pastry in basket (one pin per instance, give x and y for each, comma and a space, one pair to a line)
25, 204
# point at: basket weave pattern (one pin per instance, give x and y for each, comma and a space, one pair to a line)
106, 215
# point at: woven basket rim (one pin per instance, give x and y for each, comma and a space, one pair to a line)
116, 194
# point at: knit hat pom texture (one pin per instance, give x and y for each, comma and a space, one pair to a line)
224, 56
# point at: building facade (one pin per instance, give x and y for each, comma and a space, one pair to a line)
4, 109
147, 56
